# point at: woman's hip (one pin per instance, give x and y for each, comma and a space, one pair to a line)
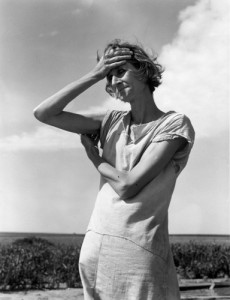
113, 267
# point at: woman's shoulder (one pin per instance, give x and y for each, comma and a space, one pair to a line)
112, 121
176, 119
175, 115
113, 116
175, 124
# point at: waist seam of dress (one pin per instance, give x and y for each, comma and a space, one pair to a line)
125, 238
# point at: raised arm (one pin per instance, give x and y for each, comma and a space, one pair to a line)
128, 184
51, 111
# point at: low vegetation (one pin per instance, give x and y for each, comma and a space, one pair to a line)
34, 263
197, 260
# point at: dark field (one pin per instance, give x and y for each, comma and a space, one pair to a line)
56, 238
76, 239
202, 263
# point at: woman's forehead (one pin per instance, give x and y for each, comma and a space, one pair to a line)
111, 49
126, 66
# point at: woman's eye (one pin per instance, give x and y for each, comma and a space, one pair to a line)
120, 71
109, 78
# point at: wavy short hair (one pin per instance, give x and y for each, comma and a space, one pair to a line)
148, 69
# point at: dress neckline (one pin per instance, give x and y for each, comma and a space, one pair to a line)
135, 131
154, 122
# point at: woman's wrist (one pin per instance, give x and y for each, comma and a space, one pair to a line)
96, 75
94, 156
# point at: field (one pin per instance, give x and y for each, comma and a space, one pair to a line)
201, 238
49, 262
56, 238
76, 239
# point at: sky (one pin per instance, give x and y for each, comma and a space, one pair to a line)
47, 183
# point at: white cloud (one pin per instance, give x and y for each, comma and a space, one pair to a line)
77, 11
49, 34
195, 82
109, 104
44, 138
87, 2
196, 79
53, 139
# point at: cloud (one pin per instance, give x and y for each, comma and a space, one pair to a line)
87, 3
196, 79
49, 34
47, 138
83, 5
109, 104
44, 139
77, 11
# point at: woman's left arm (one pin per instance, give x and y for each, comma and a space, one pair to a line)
128, 184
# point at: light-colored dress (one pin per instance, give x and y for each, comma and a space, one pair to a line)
126, 253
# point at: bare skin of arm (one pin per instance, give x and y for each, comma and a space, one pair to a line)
51, 111
128, 184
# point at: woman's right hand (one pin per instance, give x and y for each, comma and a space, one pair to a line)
51, 111
112, 59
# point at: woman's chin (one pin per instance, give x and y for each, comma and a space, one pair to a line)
122, 98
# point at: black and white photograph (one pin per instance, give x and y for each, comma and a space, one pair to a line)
114, 149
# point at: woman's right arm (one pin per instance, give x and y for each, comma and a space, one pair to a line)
51, 111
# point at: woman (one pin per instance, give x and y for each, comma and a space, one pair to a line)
126, 252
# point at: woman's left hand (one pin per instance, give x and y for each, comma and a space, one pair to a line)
90, 142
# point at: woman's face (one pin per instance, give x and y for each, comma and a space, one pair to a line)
125, 83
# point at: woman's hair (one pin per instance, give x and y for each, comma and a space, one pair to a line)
148, 69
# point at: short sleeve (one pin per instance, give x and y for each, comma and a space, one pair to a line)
109, 119
177, 126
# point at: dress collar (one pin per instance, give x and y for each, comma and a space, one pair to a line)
135, 131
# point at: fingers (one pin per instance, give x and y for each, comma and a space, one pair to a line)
89, 145
115, 59
85, 139
118, 52
82, 138
89, 139
117, 55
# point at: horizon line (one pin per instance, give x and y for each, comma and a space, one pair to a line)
74, 233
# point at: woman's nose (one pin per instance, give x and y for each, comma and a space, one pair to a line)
115, 80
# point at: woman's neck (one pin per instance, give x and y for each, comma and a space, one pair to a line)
144, 110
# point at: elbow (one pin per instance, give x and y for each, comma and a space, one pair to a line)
39, 115
127, 190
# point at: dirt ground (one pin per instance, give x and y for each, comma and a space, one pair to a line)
66, 294
77, 294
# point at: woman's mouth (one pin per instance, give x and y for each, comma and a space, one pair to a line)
121, 89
